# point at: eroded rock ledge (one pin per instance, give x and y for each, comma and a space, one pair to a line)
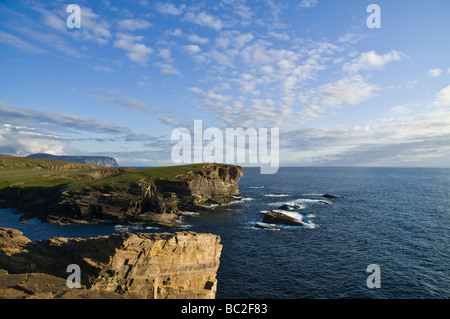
147, 265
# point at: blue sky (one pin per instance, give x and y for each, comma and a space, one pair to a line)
340, 92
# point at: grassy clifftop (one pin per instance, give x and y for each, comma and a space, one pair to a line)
32, 173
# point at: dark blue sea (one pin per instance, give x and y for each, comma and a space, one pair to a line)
396, 218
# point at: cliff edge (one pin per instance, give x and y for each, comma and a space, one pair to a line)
140, 266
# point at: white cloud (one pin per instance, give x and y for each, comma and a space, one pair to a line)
218, 97
165, 54
370, 60
177, 32
196, 39
442, 98
136, 52
351, 91
196, 90
169, 8
93, 27
167, 68
280, 36
134, 24
350, 38
21, 141
434, 73
204, 19
308, 3
191, 48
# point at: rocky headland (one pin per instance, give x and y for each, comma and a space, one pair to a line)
63, 192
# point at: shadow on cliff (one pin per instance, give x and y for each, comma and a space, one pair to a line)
53, 256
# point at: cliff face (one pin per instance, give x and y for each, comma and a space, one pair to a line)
152, 266
93, 160
149, 201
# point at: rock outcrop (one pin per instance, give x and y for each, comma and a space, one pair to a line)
93, 160
147, 265
283, 217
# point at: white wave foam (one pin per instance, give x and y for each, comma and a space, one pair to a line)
311, 225
307, 200
257, 187
192, 213
121, 228
277, 195
278, 204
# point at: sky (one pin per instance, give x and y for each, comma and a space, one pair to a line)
341, 93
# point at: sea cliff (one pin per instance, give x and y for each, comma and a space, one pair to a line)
140, 266
63, 192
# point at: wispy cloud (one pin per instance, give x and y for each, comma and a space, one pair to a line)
134, 24
308, 3
434, 73
164, 115
13, 41
28, 117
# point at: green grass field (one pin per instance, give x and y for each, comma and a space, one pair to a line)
51, 175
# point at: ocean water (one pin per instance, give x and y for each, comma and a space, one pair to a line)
397, 218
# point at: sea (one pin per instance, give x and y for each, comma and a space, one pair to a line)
394, 219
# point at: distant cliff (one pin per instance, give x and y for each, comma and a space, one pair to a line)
93, 160
145, 266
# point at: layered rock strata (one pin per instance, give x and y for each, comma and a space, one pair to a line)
151, 266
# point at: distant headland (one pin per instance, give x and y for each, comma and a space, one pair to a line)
94, 160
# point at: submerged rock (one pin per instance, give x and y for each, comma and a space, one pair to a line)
283, 217
289, 207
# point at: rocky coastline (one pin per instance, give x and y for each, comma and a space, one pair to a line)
179, 265
113, 195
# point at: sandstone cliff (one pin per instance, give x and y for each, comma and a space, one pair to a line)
154, 266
